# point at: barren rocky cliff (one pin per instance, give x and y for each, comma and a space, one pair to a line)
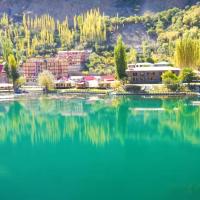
61, 8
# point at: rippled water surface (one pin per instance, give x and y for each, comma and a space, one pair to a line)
97, 148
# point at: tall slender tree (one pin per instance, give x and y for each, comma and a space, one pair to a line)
187, 53
132, 56
14, 75
120, 59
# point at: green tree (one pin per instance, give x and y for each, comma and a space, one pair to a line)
120, 59
132, 56
187, 75
46, 80
187, 53
6, 47
21, 81
146, 50
14, 74
171, 80
102, 63
92, 26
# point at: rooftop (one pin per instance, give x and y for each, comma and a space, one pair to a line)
162, 63
142, 64
75, 51
140, 69
147, 64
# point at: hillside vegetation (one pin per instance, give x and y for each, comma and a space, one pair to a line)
164, 27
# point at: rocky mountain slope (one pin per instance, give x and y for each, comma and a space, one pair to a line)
60, 8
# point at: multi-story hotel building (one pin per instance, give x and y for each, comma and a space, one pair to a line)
76, 59
64, 64
141, 73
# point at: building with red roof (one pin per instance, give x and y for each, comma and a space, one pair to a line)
108, 78
89, 78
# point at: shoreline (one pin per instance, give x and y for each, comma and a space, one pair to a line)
5, 95
159, 94
38, 90
124, 93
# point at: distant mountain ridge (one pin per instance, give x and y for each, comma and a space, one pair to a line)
62, 8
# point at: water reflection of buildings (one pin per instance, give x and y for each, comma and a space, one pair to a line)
99, 121
62, 107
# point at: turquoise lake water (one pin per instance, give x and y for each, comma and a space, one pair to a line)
98, 148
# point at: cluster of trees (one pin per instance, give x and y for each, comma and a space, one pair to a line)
165, 27
66, 35
171, 25
44, 35
174, 82
101, 63
187, 57
91, 26
12, 71
38, 34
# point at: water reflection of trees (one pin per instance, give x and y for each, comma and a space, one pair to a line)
100, 121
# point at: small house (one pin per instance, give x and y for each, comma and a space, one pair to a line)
106, 81
92, 81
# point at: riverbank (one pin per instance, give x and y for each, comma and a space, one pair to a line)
150, 90
157, 94
5, 98
99, 92
124, 93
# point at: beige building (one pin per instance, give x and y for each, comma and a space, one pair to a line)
148, 73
